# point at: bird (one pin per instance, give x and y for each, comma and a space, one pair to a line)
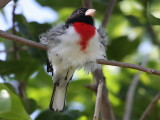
73, 45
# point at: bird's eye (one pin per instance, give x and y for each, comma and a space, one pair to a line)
79, 11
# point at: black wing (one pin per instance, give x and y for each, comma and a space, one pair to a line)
49, 67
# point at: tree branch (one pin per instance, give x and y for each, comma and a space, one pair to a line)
106, 109
3, 3
99, 61
130, 97
128, 65
108, 13
6, 51
22, 40
153, 35
150, 107
91, 87
10, 50
131, 93
15, 46
98, 101
87, 3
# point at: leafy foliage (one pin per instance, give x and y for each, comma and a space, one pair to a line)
123, 46
11, 106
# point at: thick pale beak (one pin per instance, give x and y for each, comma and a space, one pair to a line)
90, 12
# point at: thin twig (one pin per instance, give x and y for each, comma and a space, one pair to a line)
10, 50
108, 13
130, 97
99, 61
15, 47
13, 19
22, 40
91, 87
98, 101
87, 3
6, 51
22, 89
102, 2
128, 65
106, 109
150, 107
131, 93
21, 86
153, 35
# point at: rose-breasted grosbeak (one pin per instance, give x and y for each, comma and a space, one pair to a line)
73, 45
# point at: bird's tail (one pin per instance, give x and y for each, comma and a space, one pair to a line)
60, 90
58, 98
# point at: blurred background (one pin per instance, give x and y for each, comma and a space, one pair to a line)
25, 86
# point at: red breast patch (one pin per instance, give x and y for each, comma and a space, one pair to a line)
86, 32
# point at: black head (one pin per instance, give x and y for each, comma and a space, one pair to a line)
79, 15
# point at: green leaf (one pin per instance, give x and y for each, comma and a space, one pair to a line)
133, 20
30, 105
41, 95
36, 29
152, 19
11, 87
24, 30
120, 47
20, 18
22, 69
41, 80
81, 95
11, 107
39, 55
1, 39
